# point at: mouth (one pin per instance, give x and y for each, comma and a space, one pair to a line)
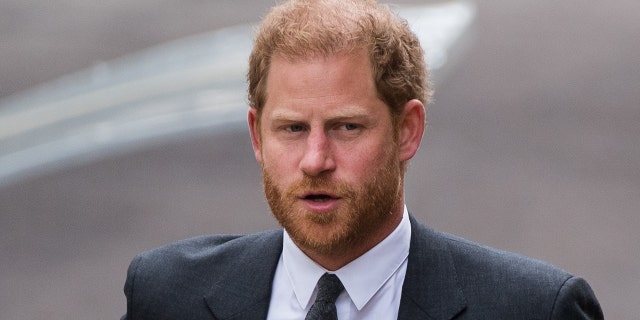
319, 197
320, 201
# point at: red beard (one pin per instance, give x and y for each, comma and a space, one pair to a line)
361, 212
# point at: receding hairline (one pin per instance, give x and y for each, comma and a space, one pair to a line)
305, 29
343, 53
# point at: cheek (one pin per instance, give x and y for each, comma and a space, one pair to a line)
281, 163
359, 163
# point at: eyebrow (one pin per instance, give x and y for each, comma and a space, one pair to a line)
285, 115
348, 112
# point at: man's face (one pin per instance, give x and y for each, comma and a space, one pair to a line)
329, 154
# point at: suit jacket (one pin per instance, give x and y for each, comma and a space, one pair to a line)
230, 277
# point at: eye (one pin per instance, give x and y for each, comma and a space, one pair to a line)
295, 128
350, 126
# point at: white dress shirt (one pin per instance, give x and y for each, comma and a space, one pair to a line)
372, 282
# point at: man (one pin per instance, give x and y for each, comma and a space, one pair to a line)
337, 92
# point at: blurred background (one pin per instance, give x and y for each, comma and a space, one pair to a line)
122, 129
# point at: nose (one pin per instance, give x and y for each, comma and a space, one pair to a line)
318, 154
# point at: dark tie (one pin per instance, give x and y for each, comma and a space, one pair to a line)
324, 308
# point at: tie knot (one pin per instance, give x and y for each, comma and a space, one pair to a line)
329, 288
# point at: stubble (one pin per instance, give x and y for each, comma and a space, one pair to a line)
362, 211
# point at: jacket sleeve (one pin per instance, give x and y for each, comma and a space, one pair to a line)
576, 300
128, 287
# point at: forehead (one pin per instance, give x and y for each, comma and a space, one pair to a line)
340, 80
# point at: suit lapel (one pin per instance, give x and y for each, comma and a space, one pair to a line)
243, 289
431, 289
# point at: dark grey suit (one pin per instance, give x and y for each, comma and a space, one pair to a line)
230, 277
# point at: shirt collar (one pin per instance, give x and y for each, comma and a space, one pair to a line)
361, 278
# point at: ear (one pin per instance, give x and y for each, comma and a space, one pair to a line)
412, 125
254, 130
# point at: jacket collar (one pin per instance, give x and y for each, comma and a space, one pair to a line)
431, 289
243, 289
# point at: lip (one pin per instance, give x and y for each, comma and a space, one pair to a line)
329, 201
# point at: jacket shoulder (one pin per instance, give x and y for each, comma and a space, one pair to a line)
477, 263
215, 251
518, 285
485, 260
174, 278
505, 284
201, 247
